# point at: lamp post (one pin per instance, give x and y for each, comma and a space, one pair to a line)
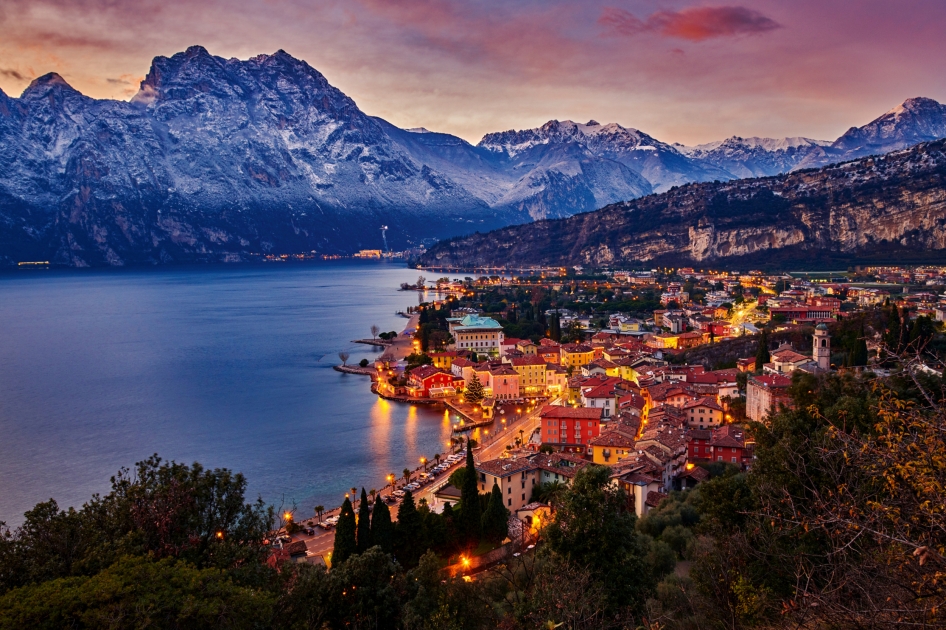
423, 461
390, 479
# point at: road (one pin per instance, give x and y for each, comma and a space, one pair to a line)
322, 542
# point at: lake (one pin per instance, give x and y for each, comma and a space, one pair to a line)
227, 366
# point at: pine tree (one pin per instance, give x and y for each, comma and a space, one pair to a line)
382, 529
496, 517
408, 532
470, 511
762, 355
345, 542
364, 524
555, 328
474, 390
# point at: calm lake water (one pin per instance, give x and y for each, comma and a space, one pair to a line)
228, 366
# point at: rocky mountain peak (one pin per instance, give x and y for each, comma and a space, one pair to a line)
915, 120
42, 86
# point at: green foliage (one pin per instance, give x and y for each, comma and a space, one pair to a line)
363, 363
595, 527
345, 537
382, 529
139, 592
474, 390
470, 510
495, 520
762, 355
363, 537
409, 542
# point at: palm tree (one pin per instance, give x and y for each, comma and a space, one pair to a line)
318, 511
373, 492
407, 475
551, 492
437, 458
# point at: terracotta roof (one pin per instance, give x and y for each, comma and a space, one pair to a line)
461, 362
527, 360
424, 372
654, 498
297, 548
560, 463
601, 391
504, 467
703, 402
502, 370
729, 436
771, 380
632, 400
576, 347
551, 343
612, 438
699, 434
576, 413
696, 473
788, 356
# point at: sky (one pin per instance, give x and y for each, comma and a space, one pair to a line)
682, 71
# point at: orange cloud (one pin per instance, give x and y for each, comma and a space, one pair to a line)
695, 23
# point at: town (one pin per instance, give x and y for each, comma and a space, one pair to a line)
657, 375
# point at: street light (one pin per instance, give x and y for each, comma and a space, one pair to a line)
423, 460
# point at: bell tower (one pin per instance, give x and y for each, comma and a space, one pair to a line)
821, 350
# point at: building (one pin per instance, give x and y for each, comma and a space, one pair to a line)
703, 413
478, 334
516, 479
785, 360
613, 445
569, 428
443, 360
531, 370
575, 355
764, 394
427, 381
729, 445
503, 382
821, 352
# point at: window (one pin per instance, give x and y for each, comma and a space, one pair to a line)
509, 489
510, 502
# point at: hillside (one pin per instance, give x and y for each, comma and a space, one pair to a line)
888, 206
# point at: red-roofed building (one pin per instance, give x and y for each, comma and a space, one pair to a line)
570, 428
427, 380
729, 445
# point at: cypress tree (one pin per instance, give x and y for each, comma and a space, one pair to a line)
470, 511
496, 517
408, 532
859, 354
364, 524
762, 355
382, 529
345, 543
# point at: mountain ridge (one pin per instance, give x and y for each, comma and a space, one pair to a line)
889, 205
225, 160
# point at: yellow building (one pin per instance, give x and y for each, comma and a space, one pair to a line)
611, 447
531, 370
575, 355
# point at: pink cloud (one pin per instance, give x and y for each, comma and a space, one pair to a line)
695, 23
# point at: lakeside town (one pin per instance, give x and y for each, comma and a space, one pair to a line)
656, 375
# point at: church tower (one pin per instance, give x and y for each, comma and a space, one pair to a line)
821, 351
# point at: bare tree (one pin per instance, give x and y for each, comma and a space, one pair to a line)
421, 282
374, 331
344, 357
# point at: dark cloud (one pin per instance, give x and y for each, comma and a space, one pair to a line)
12, 74
694, 23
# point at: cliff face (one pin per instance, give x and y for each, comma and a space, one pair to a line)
877, 207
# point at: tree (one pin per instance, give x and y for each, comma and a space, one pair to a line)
363, 363
470, 510
374, 331
474, 390
594, 526
762, 355
495, 520
407, 475
364, 541
859, 353
382, 529
421, 282
318, 511
408, 532
555, 327
346, 544
344, 357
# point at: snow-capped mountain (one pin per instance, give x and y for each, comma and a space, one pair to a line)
660, 165
222, 159
915, 120
756, 157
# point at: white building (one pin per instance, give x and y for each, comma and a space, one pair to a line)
478, 334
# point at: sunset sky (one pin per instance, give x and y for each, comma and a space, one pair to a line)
681, 71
